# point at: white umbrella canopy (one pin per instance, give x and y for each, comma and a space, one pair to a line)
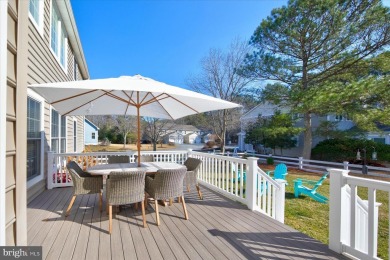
127, 95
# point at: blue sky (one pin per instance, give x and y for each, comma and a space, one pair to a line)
164, 40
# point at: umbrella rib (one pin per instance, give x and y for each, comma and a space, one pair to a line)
119, 98
131, 101
84, 104
128, 104
64, 99
149, 93
156, 99
193, 109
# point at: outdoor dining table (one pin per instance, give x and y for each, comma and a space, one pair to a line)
149, 167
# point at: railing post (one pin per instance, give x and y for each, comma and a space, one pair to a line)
336, 210
345, 163
300, 163
251, 182
50, 159
280, 201
189, 152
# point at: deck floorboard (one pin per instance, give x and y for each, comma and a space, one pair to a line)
217, 228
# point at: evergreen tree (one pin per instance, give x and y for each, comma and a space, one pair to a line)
309, 43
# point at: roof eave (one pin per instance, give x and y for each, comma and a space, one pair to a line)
67, 16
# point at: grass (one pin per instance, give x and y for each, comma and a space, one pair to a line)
312, 218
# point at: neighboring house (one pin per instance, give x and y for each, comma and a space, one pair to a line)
181, 129
173, 138
380, 137
173, 133
38, 43
91, 133
192, 138
267, 110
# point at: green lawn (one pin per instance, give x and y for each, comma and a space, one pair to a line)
312, 218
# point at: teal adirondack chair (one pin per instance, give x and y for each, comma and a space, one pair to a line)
280, 172
238, 173
300, 188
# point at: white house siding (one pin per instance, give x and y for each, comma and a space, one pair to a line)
44, 66
26, 52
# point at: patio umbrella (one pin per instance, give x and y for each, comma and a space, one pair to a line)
127, 95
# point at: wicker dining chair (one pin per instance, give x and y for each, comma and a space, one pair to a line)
144, 158
167, 184
118, 159
192, 165
125, 188
83, 183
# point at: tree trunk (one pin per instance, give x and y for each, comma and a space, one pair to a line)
307, 141
154, 146
124, 141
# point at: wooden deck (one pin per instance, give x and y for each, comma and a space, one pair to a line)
218, 228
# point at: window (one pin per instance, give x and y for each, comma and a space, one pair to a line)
58, 130
55, 131
74, 136
63, 135
93, 135
34, 138
36, 13
341, 118
58, 36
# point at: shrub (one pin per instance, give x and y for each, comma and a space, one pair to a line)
210, 144
270, 161
339, 150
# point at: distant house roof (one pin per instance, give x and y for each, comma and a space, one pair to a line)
191, 134
91, 124
265, 109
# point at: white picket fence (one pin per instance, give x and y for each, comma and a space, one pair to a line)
321, 166
353, 225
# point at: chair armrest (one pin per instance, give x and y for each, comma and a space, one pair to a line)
88, 185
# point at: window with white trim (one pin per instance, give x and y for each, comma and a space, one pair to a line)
36, 13
93, 135
58, 36
63, 135
74, 136
58, 130
34, 138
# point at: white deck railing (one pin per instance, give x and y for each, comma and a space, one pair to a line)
353, 224
220, 173
58, 175
244, 181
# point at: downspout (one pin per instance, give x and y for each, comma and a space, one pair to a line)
3, 114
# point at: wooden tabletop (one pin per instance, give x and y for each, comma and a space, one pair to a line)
149, 167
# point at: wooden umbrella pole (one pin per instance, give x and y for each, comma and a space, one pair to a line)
138, 131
